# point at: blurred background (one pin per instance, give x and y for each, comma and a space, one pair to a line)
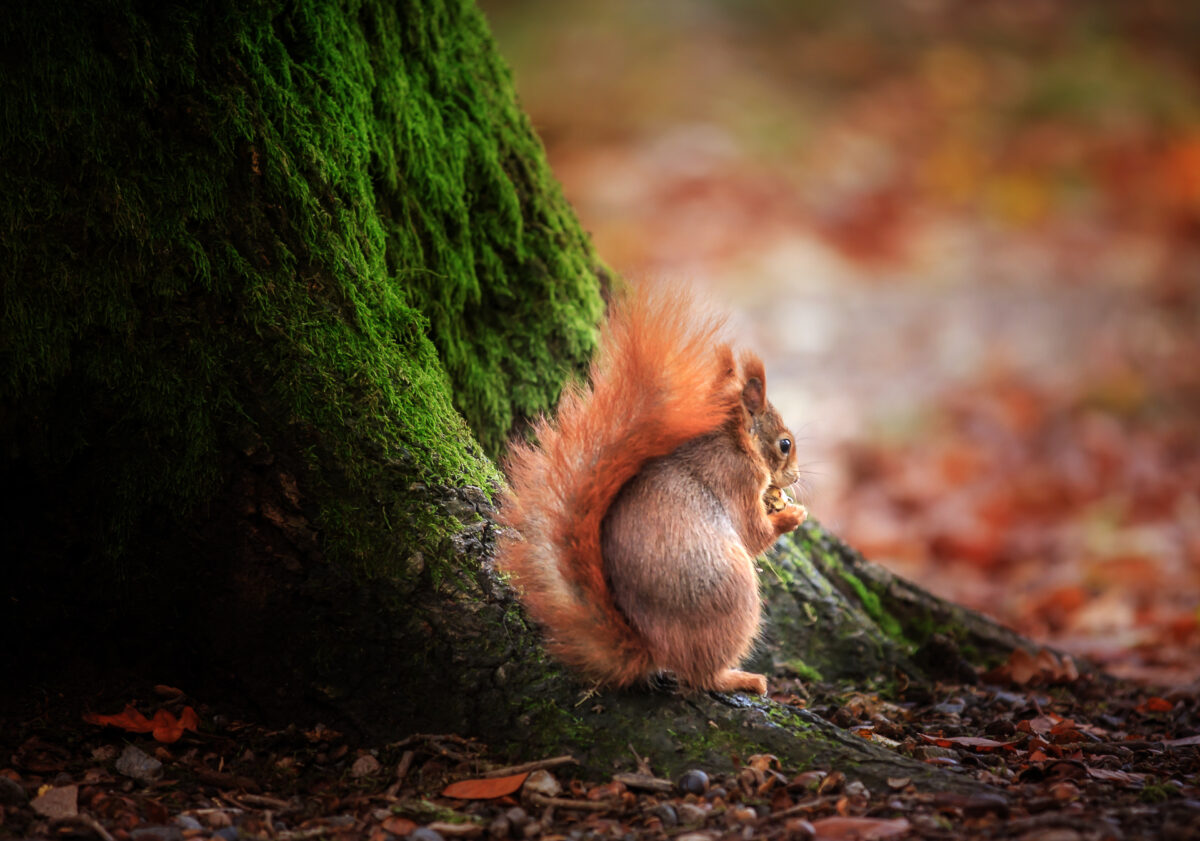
965, 237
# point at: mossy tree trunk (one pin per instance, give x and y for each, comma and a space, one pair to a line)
260, 261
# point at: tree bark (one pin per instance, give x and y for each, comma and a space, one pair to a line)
260, 262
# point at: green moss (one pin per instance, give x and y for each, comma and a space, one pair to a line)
870, 603
311, 230
425, 811
710, 747
1158, 793
802, 670
786, 718
868, 599
554, 723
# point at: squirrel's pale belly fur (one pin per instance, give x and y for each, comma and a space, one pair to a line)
640, 511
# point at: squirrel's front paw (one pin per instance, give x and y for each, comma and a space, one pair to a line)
788, 518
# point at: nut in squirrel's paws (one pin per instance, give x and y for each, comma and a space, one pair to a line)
774, 499
784, 514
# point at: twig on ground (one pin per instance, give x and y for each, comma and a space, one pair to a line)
580, 805
552, 762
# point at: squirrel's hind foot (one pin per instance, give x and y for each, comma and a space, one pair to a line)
735, 680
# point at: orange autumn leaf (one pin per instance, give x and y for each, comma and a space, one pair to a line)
1045, 666
168, 729
128, 719
1154, 704
485, 788
188, 719
164, 727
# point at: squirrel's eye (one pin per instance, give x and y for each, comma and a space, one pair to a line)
785, 445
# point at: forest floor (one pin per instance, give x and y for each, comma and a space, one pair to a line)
1057, 756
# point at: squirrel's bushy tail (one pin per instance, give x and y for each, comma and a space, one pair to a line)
662, 376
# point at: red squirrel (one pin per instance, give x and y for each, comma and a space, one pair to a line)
640, 510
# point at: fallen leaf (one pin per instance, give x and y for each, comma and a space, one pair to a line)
762, 762
397, 825
859, 829
128, 719
1041, 724
168, 729
189, 720
965, 741
1154, 704
486, 788
164, 727
1110, 775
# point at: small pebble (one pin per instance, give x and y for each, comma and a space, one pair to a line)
57, 803
136, 763
855, 788
694, 781
227, 833
500, 827
424, 833
665, 812
187, 822
364, 766
517, 817
218, 820
542, 782
717, 792
690, 813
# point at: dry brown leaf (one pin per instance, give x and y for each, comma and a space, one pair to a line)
485, 788
980, 742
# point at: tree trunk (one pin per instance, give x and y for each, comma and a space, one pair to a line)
260, 262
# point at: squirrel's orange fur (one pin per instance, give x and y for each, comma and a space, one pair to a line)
640, 509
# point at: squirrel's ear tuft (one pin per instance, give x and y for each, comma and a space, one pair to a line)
754, 397
754, 392
753, 369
